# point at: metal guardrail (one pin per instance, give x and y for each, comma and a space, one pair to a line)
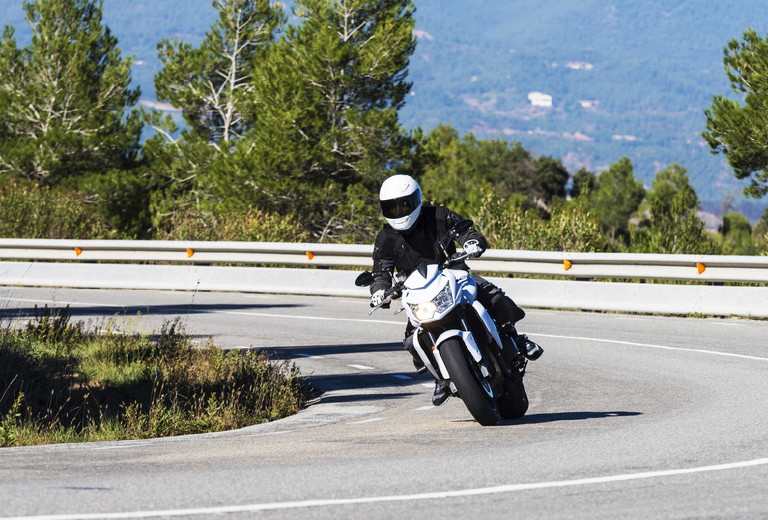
706, 268
116, 264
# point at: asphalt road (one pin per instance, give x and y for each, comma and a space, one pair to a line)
630, 417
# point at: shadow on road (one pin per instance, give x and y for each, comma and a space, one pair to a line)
365, 397
132, 310
569, 416
365, 381
293, 352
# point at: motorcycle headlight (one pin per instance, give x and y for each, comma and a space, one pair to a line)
427, 310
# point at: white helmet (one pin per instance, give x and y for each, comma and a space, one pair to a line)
400, 197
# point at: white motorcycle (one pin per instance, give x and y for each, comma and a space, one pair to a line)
456, 338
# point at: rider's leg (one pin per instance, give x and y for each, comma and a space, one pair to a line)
441, 392
505, 313
418, 364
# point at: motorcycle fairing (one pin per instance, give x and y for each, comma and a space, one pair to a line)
482, 312
421, 289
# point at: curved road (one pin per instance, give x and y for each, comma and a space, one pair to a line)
630, 417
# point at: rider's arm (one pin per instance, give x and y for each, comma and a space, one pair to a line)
451, 218
383, 263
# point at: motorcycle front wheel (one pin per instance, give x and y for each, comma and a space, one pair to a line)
477, 396
514, 403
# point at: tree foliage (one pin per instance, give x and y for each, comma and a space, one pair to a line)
740, 132
760, 233
251, 225
65, 99
509, 225
28, 210
736, 235
616, 197
290, 127
583, 183
672, 225
458, 170
325, 112
212, 85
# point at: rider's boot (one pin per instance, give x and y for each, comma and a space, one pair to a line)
418, 364
530, 350
533, 351
441, 394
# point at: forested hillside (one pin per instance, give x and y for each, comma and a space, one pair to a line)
645, 72
557, 127
626, 78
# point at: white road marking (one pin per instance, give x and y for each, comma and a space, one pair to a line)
310, 356
361, 367
424, 408
355, 320
428, 385
54, 302
298, 504
374, 419
648, 345
121, 446
185, 308
301, 317
724, 324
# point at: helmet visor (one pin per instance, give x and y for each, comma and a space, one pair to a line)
401, 206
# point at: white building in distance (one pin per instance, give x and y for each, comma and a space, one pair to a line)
539, 99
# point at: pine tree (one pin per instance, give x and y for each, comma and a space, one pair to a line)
672, 227
741, 132
325, 116
65, 99
351, 57
616, 197
212, 84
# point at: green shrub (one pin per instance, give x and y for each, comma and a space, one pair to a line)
251, 225
512, 225
28, 210
63, 382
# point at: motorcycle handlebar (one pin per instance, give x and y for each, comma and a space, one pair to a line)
396, 290
456, 258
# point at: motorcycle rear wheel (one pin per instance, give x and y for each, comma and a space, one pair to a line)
482, 406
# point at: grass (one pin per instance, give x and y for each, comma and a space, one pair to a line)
65, 382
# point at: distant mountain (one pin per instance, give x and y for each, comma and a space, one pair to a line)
623, 78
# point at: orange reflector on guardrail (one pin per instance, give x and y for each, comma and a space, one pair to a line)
190, 252
310, 255
78, 251
567, 264
700, 267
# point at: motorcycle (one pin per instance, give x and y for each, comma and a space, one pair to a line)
456, 338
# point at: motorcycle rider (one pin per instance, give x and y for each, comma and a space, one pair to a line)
409, 238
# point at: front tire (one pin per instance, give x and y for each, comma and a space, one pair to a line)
469, 384
514, 403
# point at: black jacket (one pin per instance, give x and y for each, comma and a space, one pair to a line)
405, 250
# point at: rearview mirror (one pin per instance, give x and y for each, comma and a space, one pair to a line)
364, 279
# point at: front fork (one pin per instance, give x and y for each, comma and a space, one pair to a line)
502, 360
435, 362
